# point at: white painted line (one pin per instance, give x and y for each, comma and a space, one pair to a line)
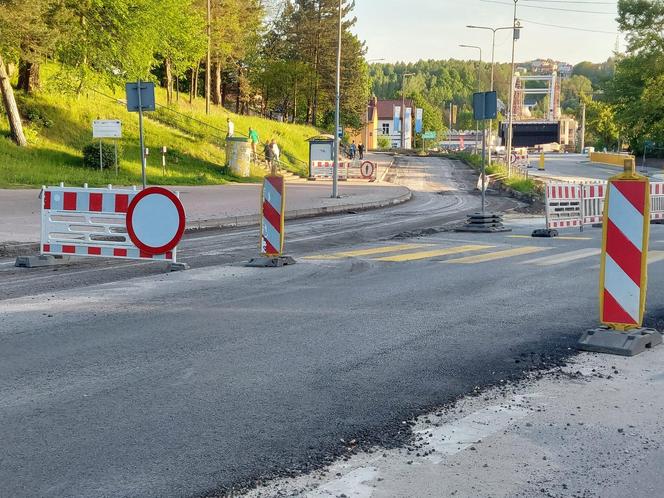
354, 484
459, 435
566, 257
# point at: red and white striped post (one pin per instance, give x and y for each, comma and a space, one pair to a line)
623, 270
273, 207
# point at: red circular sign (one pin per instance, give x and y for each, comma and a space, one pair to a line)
155, 220
367, 169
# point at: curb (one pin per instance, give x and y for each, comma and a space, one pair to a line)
254, 219
389, 166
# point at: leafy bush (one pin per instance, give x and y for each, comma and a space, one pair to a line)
37, 117
383, 143
91, 155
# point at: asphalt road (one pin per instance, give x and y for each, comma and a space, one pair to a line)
195, 383
577, 167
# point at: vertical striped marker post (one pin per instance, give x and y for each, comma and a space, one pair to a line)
623, 270
273, 206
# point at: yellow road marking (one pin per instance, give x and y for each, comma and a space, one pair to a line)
562, 237
491, 256
368, 252
433, 253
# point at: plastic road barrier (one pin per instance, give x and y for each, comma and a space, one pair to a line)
272, 216
593, 202
623, 270
656, 200
563, 205
111, 223
325, 170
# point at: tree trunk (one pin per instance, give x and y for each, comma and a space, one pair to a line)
168, 76
15, 125
177, 88
295, 101
28, 76
239, 90
224, 92
216, 84
194, 81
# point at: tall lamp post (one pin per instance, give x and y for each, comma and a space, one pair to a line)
335, 173
493, 61
479, 86
403, 108
515, 34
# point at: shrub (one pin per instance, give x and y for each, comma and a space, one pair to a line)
91, 155
383, 143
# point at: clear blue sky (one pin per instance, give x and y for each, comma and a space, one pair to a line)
408, 30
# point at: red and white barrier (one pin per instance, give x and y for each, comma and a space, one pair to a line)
563, 205
354, 170
562, 199
272, 216
623, 268
325, 169
98, 222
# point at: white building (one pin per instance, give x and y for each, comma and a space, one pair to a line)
386, 121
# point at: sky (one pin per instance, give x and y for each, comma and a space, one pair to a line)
409, 30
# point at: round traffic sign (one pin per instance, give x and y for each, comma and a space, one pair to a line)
155, 220
513, 158
367, 169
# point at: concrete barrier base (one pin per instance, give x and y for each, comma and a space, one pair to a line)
40, 261
270, 262
630, 343
178, 266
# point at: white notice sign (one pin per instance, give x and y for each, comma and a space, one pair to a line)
106, 128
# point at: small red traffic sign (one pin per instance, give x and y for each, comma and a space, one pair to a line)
513, 158
367, 169
155, 220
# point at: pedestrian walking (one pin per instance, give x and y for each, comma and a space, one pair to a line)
231, 128
269, 156
353, 150
275, 154
360, 150
253, 138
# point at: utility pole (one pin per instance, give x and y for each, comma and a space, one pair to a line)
207, 62
511, 109
583, 127
335, 171
403, 109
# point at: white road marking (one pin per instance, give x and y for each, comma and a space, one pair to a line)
566, 257
353, 485
461, 434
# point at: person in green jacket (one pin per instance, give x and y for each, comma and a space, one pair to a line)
253, 138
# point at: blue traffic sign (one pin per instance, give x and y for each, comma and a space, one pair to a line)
145, 98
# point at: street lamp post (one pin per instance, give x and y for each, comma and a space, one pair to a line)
403, 108
493, 61
508, 152
479, 86
335, 171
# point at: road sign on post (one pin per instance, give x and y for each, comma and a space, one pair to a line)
485, 106
623, 269
140, 97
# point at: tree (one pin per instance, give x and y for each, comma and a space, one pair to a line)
11, 109
635, 91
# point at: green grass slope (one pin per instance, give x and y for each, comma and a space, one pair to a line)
59, 125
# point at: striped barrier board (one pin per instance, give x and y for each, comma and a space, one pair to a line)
91, 222
563, 205
272, 215
593, 202
561, 202
623, 270
325, 169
